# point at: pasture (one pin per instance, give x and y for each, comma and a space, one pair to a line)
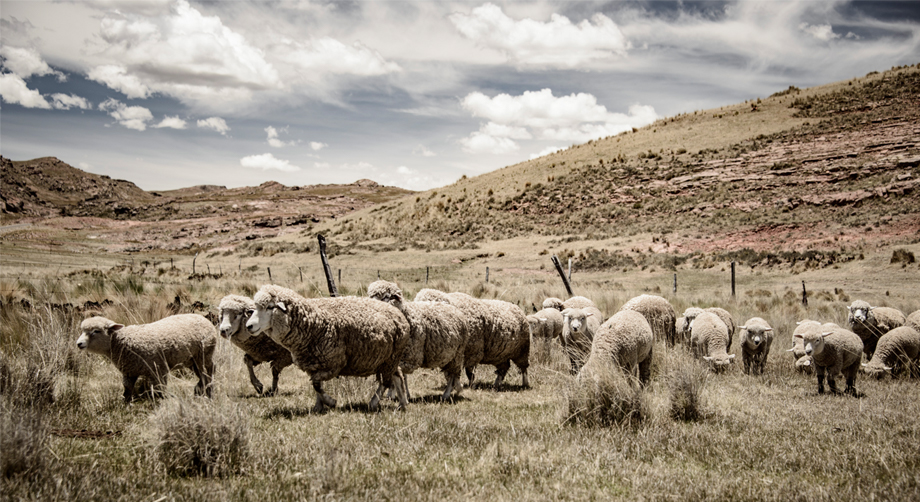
68, 435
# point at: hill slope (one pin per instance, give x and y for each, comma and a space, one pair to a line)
833, 162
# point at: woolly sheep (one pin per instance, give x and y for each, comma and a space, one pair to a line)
709, 340
805, 364
898, 348
726, 318
332, 337
577, 302
437, 334
234, 310
627, 339
914, 319
546, 323
756, 338
801, 360
682, 324
834, 350
499, 333
870, 323
578, 329
659, 313
152, 350
553, 303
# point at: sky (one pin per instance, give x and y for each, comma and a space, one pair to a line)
176, 93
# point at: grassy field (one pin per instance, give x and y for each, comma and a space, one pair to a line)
67, 435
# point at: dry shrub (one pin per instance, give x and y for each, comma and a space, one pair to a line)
23, 439
902, 256
200, 437
686, 380
603, 396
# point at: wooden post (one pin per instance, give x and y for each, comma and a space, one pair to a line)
209, 268
269, 274
675, 284
220, 270
487, 274
570, 270
301, 274
565, 281
330, 282
193, 263
733, 279
171, 263
239, 266
804, 295
340, 276
426, 275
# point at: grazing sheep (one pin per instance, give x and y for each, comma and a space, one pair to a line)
437, 334
659, 313
726, 318
756, 338
152, 350
546, 323
709, 340
914, 319
577, 302
578, 330
499, 333
802, 361
626, 339
834, 350
234, 310
899, 348
870, 323
553, 303
682, 324
805, 364
332, 337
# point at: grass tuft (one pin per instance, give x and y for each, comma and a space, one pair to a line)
23, 443
604, 396
686, 381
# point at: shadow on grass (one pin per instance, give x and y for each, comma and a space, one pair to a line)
436, 399
504, 387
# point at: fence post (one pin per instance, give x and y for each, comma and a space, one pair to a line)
301, 274
675, 284
804, 295
239, 266
340, 276
487, 274
270, 275
426, 275
330, 283
570, 270
733, 279
565, 281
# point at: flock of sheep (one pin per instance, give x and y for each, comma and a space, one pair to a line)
386, 336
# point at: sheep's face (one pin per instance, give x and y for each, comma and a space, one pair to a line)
96, 335
859, 311
262, 318
874, 369
720, 362
754, 336
814, 342
231, 322
386, 292
575, 319
804, 364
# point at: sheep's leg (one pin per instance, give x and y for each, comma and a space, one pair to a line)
250, 363
208, 376
128, 382
375, 399
451, 381
819, 370
470, 375
322, 400
276, 371
645, 371
500, 371
832, 382
402, 390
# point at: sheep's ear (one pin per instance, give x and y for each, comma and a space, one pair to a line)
281, 306
791, 350
768, 329
541, 319
589, 314
567, 312
398, 297
116, 327
825, 334
798, 323
872, 308
707, 358
731, 357
849, 308
865, 365
742, 327
798, 335
887, 368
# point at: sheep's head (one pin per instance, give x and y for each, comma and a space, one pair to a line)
536, 325
269, 312
96, 334
805, 364
553, 303
859, 311
753, 336
575, 320
233, 310
385, 291
876, 369
720, 362
814, 342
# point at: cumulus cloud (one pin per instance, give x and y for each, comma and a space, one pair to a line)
423, 151
539, 114
546, 151
68, 101
131, 117
273, 138
26, 62
214, 123
558, 43
823, 32
117, 77
13, 89
330, 56
172, 123
266, 162
317, 146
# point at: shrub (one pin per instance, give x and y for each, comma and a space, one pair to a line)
902, 255
686, 381
200, 437
23, 439
603, 396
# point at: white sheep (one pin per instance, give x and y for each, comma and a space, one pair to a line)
805, 364
682, 324
578, 330
899, 348
726, 318
333, 337
234, 310
709, 340
553, 303
577, 302
870, 323
152, 350
659, 313
802, 360
914, 319
626, 339
546, 324
756, 338
437, 334
834, 350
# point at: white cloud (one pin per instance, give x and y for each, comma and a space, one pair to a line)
267, 161
131, 117
273, 138
330, 56
13, 89
546, 151
423, 151
117, 77
172, 123
66, 102
26, 62
557, 43
321, 165
823, 32
576, 117
215, 123
317, 146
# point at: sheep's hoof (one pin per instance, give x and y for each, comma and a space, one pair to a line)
258, 389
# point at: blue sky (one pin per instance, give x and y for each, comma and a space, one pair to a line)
175, 93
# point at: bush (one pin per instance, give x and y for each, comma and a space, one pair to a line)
686, 381
602, 396
200, 437
23, 441
902, 255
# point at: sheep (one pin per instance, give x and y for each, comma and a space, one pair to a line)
626, 339
577, 302
682, 324
437, 334
152, 350
234, 310
802, 361
914, 319
726, 318
659, 313
578, 330
898, 348
546, 323
553, 303
709, 340
834, 350
870, 323
499, 333
805, 364
756, 338
332, 337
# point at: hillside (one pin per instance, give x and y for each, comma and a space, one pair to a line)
801, 168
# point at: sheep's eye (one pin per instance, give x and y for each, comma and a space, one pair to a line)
249, 312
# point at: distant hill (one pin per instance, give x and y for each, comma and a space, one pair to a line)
801, 168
